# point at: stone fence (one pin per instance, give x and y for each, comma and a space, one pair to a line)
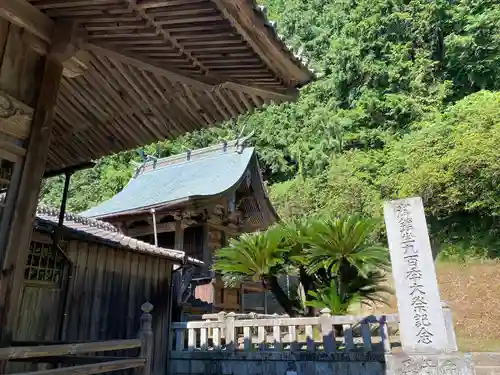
256, 333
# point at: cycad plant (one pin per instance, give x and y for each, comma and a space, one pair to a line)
257, 257
344, 249
337, 262
330, 298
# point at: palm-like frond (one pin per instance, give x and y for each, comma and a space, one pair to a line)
329, 297
251, 257
334, 243
372, 289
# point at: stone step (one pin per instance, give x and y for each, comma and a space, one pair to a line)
487, 370
486, 359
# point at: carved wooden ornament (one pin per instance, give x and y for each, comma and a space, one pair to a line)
15, 117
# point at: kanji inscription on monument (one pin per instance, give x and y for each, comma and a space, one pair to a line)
422, 326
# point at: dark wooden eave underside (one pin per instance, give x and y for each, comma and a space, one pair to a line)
156, 69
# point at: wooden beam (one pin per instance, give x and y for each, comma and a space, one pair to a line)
179, 236
207, 256
14, 352
25, 15
95, 368
15, 245
73, 169
111, 51
290, 95
71, 359
148, 229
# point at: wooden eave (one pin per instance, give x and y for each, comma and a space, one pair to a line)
149, 70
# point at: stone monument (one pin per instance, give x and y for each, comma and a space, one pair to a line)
424, 337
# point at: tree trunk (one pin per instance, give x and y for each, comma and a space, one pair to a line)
286, 303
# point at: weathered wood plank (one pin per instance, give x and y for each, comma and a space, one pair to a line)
70, 330
65, 349
96, 368
98, 291
15, 247
107, 297
88, 312
120, 300
117, 299
132, 324
70, 359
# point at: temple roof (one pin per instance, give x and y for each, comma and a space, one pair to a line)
173, 181
100, 231
147, 70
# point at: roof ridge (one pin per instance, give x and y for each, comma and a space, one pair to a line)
50, 211
236, 145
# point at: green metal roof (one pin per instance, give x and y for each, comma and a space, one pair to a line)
202, 173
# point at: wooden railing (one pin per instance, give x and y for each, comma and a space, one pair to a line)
326, 333
72, 354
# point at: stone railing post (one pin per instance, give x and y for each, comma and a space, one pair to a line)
221, 317
146, 337
325, 321
450, 329
231, 343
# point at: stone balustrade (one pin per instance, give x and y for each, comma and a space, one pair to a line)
251, 332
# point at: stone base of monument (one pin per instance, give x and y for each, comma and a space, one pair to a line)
429, 364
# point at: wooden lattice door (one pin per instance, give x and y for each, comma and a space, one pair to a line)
42, 300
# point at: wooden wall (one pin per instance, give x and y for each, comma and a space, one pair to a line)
108, 287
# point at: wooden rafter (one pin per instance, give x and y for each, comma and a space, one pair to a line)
32, 19
245, 20
147, 70
167, 37
142, 63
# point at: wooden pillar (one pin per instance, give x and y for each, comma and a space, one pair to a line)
209, 294
179, 235
15, 248
207, 256
147, 339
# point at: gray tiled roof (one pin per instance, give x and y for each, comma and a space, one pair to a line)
202, 173
105, 232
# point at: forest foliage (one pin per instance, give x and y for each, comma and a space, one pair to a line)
406, 103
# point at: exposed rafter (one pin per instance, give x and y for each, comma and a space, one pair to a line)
245, 20
22, 13
139, 72
167, 37
142, 63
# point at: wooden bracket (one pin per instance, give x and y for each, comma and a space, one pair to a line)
67, 41
15, 116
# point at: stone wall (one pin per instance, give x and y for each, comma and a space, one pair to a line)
287, 363
277, 363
